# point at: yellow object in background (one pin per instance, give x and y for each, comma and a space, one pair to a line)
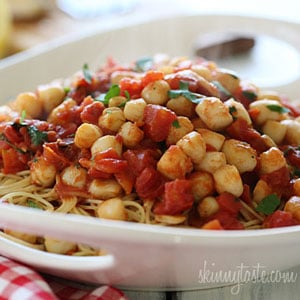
5, 27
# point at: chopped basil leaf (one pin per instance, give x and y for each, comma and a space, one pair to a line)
232, 109
176, 124
250, 95
37, 136
23, 116
127, 95
87, 73
268, 204
184, 91
183, 85
143, 64
33, 204
102, 99
122, 104
112, 92
278, 108
67, 89
221, 88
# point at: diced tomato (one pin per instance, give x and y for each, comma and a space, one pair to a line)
109, 153
100, 82
132, 86
246, 93
126, 179
65, 191
246, 195
139, 159
278, 180
157, 122
177, 198
111, 165
196, 83
78, 93
149, 184
82, 81
292, 155
174, 80
13, 135
279, 218
85, 162
26, 138
92, 112
183, 65
213, 225
229, 203
228, 220
228, 211
210, 148
104, 164
66, 130
52, 155
240, 130
97, 174
294, 110
4, 145
14, 161
68, 113
254, 113
151, 76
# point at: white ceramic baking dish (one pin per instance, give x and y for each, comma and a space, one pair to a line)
144, 256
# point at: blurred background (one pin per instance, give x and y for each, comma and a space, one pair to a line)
27, 23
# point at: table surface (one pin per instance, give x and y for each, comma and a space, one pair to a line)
55, 24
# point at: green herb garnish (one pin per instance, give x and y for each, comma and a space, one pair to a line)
184, 91
37, 136
221, 88
176, 124
122, 104
67, 89
112, 92
23, 116
143, 64
33, 204
250, 95
268, 204
127, 95
87, 73
232, 109
278, 108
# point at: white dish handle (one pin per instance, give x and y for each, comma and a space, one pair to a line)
132, 256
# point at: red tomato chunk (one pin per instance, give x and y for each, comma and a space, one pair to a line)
177, 198
158, 121
279, 218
